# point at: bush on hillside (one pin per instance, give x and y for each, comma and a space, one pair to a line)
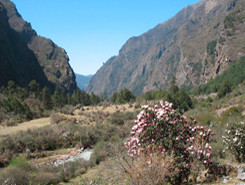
164, 131
234, 139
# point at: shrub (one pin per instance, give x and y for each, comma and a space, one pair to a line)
234, 139
100, 153
233, 113
164, 131
211, 47
15, 176
224, 89
67, 109
152, 170
55, 118
46, 178
19, 162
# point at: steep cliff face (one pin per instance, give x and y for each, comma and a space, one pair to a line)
17, 61
53, 59
187, 46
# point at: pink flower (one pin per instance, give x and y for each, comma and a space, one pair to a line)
145, 106
208, 155
206, 146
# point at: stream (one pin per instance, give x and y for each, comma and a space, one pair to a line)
85, 155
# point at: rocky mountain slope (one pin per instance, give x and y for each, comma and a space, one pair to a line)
53, 59
195, 45
17, 61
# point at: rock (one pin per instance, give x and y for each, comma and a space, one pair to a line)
136, 105
28, 151
240, 169
241, 172
240, 183
78, 106
241, 176
226, 180
65, 135
217, 170
73, 153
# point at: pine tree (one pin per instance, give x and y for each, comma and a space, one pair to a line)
56, 98
46, 98
11, 88
173, 87
34, 87
94, 99
17, 107
6, 104
27, 110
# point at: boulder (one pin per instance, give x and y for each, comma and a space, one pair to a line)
240, 169
78, 106
241, 172
241, 176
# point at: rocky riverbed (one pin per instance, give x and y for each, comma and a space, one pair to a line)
73, 155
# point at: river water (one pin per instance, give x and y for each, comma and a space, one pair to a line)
84, 155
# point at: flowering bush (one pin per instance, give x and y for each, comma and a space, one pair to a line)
234, 139
164, 131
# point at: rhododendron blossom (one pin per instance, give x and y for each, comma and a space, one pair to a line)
162, 130
234, 139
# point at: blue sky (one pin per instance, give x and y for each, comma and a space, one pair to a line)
92, 31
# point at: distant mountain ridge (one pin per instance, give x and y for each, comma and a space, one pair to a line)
195, 46
82, 80
53, 59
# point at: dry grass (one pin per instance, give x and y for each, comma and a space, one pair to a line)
37, 123
110, 109
79, 117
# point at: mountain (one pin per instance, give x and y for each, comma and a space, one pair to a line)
17, 61
82, 80
53, 59
195, 45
